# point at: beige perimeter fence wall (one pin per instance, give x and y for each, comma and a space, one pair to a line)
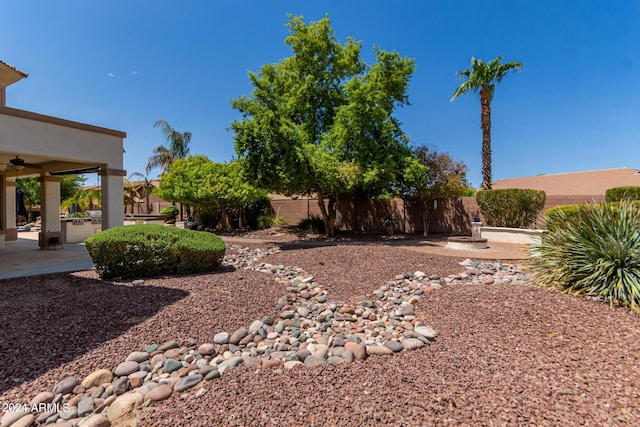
452, 218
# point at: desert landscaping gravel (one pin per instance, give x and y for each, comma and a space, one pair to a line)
506, 354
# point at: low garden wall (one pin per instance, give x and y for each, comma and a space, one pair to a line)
511, 235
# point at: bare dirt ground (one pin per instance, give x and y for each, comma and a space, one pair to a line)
505, 354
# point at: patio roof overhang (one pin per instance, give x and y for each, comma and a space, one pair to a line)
53, 145
33, 144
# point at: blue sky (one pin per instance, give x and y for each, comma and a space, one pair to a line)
123, 64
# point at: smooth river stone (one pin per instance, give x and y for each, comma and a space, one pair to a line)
96, 378
359, 350
44, 397
126, 368
257, 324
25, 421
395, 346
85, 407
426, 332
168, 345
161, 392
9, 418
151, 348
379, 350
136, 379
172, 353
206, 349
232, 362
138, 356
412, 344
124, 404
96, 420
171, 365
221, 338
237, 336
187, 382
314, 360
268, 320
65, 386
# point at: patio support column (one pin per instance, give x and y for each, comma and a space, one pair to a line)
11, 232
50, 212
112, 186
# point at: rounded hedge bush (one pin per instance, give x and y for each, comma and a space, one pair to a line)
510, 207
150, 250
617, 194
558, 215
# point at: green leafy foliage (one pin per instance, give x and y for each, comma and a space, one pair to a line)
594, 252
313, 224
268, 221
320, 121
511, 207
205, 185
169, 213
436, 179
557, 215
150, 250
622, 193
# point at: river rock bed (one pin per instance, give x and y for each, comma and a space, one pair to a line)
310, 329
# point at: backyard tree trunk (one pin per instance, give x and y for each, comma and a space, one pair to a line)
428, 208
328, 214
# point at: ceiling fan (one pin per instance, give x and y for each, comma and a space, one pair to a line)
18, 164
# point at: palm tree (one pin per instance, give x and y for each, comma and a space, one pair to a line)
84, 199
178, 148
138, 190
481, 77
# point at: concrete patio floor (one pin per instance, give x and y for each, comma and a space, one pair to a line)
23, 258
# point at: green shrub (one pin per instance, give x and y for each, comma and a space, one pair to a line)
149, 250
169, 213
622, 193
313, 224
268, 221
511, 207
253, 211
595, 253
557, 215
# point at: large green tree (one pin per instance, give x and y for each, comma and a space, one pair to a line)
481, 78
320, 122
441, 179
165, 155
206, 185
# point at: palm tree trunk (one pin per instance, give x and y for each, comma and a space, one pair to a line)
485, 123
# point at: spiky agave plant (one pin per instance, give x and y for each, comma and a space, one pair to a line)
596, 252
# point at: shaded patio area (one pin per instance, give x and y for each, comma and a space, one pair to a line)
23, 257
